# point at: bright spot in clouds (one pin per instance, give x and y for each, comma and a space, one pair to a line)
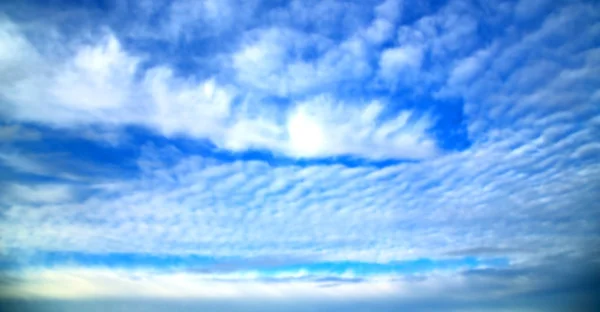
306, 135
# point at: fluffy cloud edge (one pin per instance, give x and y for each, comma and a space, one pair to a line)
102, 84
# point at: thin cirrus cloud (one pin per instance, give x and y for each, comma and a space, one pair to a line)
378, 151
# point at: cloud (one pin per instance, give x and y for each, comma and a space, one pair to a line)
390, 10
513, 171
509, 289
186, 107
320, 127
105, 283
334, 211
12, 133
397, 60
410, 132
98, 86
539, 87
382, 27
209, 17
273, 62
21, 163
422, 49
467, 69
37, 194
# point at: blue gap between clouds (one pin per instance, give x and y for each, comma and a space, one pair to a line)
266, 267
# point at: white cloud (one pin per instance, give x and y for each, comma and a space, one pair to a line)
495, 193
439, 38
197, 109
380, 31
390, 10
38, 194
395, 63
185, 20
466, 69
22, 163
479, 288
323, 127
17, 54
99, 86
271, 61
215, 15
98, 77
517, 94
14, 133
262, 63
104, 283
254, 133
274, 61
78, 283
382, 28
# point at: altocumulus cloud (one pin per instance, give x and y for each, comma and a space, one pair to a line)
347, 155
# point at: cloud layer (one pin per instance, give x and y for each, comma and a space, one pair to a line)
301, 133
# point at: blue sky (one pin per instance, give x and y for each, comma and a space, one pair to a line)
385, 151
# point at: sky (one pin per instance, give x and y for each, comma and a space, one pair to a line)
333, 155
